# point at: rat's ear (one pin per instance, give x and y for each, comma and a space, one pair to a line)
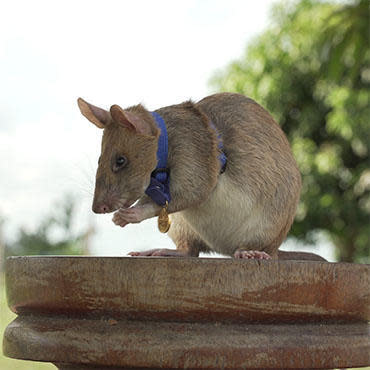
130, 120
98, 116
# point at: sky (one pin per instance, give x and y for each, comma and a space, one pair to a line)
156, 53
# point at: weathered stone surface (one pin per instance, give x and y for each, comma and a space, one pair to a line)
121, 313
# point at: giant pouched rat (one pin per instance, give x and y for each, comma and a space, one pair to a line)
232, 182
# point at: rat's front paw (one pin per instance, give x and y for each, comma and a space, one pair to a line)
131, 215
118, 220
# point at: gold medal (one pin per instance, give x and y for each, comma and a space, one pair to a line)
164, 222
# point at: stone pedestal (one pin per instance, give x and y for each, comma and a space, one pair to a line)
124, 313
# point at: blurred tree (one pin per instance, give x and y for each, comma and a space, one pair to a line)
54, 235
311, 70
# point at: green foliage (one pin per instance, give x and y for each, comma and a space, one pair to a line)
54, 235
346, 41
311, 70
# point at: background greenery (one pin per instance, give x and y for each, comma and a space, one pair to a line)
54, 235
311, 71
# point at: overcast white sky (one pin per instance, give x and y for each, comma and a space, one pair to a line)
108, 52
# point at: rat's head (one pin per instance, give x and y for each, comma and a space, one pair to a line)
128, 154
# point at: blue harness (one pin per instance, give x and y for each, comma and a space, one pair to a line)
159, 187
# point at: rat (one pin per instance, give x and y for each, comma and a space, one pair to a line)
231, 184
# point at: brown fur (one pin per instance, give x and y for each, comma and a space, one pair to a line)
250, 206
192, 155
259, 161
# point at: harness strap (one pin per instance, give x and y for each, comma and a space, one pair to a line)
222, 156
159, 187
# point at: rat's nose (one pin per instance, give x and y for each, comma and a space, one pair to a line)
100, 208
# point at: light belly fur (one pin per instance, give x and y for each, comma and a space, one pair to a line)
229, 219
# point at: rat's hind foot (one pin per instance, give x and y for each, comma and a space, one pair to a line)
160, 253
256, 255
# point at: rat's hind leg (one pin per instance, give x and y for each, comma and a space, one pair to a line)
188, 244
186, 239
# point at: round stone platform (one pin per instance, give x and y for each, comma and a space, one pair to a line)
125, 312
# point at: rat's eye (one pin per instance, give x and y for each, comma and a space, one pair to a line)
119, 163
